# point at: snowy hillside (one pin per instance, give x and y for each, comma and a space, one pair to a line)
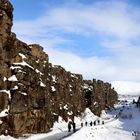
126, 88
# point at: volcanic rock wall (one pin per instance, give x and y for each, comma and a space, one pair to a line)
99, 95
33, 92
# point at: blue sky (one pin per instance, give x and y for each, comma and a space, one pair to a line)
97, 38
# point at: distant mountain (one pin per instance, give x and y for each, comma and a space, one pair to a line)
127, 87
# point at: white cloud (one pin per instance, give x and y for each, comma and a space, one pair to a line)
110, 18
126, 88
116, 22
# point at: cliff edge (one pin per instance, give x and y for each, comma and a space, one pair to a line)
34, 93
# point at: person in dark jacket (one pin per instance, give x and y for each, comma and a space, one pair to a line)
86, 123
94, 123
98, 121
103, 122
74, 126
81, 124
91, 123
69, 127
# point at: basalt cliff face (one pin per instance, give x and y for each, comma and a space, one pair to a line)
33, 92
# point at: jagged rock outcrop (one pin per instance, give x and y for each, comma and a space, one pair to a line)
99, 95
33, 92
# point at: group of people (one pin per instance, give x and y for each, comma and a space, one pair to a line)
97, 122
71, 125
134, 133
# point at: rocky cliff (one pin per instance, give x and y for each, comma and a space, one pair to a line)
33, 92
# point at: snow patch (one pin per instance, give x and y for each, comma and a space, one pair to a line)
15, 88
60, 125
42, 84
54, 78
53, 88
70, 90
4, 112
13, 78
70, 85
1, 122
7, 91
66, 107
95, 103
2, 137
55, 114
23, 93
70, 113
30, 46
15, 67
4, 79
21, 71
22, 55
44, 63
37, 71
37, 61
23, 63
73, 75
88, 115
20, 84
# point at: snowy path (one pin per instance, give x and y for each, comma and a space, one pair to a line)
66, 134
59, 136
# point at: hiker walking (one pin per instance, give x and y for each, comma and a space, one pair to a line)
91, 123
98, 121
74, 127
69, 127
94, 123
134, 133
81, 124
86, 123
103, 122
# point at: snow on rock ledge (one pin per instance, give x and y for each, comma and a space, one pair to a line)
4, 112
13, 78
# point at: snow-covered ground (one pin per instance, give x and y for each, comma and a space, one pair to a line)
115, 128
119, 123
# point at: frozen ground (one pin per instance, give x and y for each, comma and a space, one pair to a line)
119, 123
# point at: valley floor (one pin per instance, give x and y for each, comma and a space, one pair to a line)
119, 124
